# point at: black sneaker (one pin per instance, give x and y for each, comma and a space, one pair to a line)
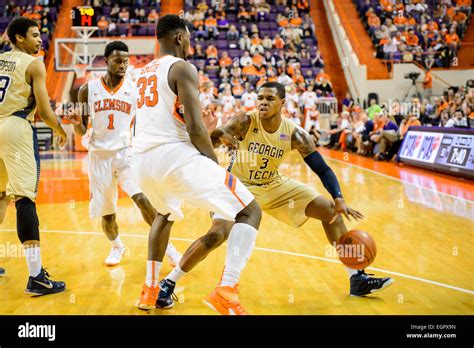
2, 272
42, 285
362, 284
166, 296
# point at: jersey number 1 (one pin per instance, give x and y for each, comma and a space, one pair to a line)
111, 122
150, 97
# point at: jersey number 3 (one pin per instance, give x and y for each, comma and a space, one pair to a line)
4, 84
147, 91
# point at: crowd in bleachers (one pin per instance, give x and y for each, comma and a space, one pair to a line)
428, 32
239, 45
378, 130
45, 12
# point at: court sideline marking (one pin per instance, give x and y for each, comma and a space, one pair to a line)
398, 179
272, 251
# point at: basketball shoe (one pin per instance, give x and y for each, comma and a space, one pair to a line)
115, 256
42, 285
148, 297
2, 272
225, 300
362, 284
166, 297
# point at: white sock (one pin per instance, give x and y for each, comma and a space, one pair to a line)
351, 271
117, 243
239, 248
33, 260
176, 274
152, 273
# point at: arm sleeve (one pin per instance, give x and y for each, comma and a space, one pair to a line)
316, 162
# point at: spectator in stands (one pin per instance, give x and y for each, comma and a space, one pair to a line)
387, 126
198, 52
324, 88
103, 25
225, 61
249, 98
348, 102
245, 42
222, 22
201, 34
373, 108
153, 16
256, 45
267, 43
124, 15
243, 15
246, 60
211, 52
390, 141
343, 123
206, 97
232, 34
457, 120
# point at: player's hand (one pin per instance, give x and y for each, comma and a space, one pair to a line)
210, 120
62, 137
74, 117
342, 208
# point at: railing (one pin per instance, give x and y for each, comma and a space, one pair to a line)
326, 106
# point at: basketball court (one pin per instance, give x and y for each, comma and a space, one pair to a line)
422, 223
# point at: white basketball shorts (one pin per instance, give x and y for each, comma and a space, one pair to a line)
170, 174
107, 170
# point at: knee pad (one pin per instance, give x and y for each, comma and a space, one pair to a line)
27, 223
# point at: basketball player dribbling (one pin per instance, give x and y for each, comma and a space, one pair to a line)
269, 137
174, 161
22, 92
110, 103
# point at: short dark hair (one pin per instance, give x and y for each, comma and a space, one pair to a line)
19, 26
169, 24
115, 46
281, 92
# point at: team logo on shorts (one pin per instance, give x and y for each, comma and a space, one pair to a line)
255, 130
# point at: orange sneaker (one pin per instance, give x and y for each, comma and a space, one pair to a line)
148, 297
225, 300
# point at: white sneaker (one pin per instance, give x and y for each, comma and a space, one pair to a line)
115, 256
172, 255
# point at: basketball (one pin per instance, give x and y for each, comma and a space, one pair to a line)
356, 249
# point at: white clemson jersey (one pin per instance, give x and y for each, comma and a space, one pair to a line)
159, 117
111, 114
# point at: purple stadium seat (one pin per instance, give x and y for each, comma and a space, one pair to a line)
222, 44
142, 31
305, 62
234, 53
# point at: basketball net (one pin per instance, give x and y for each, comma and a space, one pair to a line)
81, 70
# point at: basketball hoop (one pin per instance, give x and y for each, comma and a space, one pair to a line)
80, 70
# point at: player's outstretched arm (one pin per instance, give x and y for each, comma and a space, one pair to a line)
235, 129
302, 141
37, 73
183, 79
81, 118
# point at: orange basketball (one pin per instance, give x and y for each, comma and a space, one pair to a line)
356, 249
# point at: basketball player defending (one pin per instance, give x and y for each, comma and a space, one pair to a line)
110, 101
174, 161
22, 91
269, 137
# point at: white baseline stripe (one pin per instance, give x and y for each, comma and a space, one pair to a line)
400, 180
271, 251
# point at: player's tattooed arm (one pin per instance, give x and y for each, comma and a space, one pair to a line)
302, 141
235, 129
81, 116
